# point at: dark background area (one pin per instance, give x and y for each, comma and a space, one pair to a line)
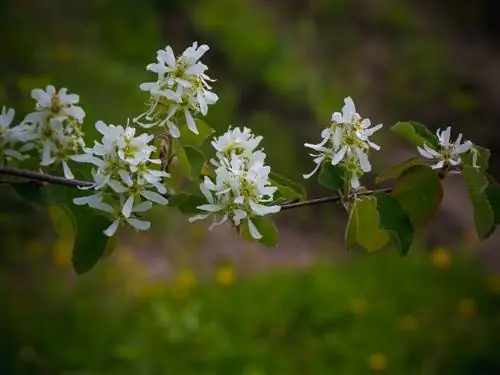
181, 300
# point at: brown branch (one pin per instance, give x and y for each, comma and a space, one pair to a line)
43, 177
332, 199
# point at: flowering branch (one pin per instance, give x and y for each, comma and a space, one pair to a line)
42, 178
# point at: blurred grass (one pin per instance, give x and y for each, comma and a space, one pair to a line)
425, 314
281, 69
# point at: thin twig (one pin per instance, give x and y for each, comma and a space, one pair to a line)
43, 177
332, 199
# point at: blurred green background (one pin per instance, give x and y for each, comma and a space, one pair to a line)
181, 300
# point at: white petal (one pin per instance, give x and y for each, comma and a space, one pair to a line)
253, 230
112, 228
154, 197
127, 207
67, 172
339, 155
190, 122
139, 224
363, 160
143, 207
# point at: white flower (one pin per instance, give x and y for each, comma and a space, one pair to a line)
241, 189
96, 201
240, 142
12, 136
123, 170
55, 104
57, 126
181, 91
346, 141
448, 153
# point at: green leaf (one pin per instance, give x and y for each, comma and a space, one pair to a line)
63, 221
395, 220
91, 243
189, 138
265, 227
331, 176
288, 189
186, 203
477, 185
196, 160
395, 171
483, 157
493, 194
419, 193
31, 193
416, 133
363, 227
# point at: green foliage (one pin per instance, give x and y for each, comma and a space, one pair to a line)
419, 193
287, 189
396, 221
265, 227
332, 176
416, 133
363, 227
186, 203
395, 171
477, 186
31, 193
91, 243
188, 138
483, 157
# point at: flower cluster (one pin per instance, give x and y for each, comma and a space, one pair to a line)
56, 127
13, 138
346, 142
448, 153
241, 189
181, 91
123, 164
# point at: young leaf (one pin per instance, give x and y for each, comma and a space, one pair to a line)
91, 243
186, 203
289, 189
477, 185
189, 138
196, 160
395, 220
395, 171
265, 227
493, 194
331, 176
63, 224
483, 157
416, 133
363, 227
419, 193
31, 193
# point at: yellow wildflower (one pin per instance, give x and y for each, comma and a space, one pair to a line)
466, 307
225, 275
377, 362
357, 306
408, 323
441, 258
494, 284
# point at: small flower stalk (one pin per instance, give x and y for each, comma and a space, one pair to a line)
124, 169
448, 154
181, 91
346, 142
241, 189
